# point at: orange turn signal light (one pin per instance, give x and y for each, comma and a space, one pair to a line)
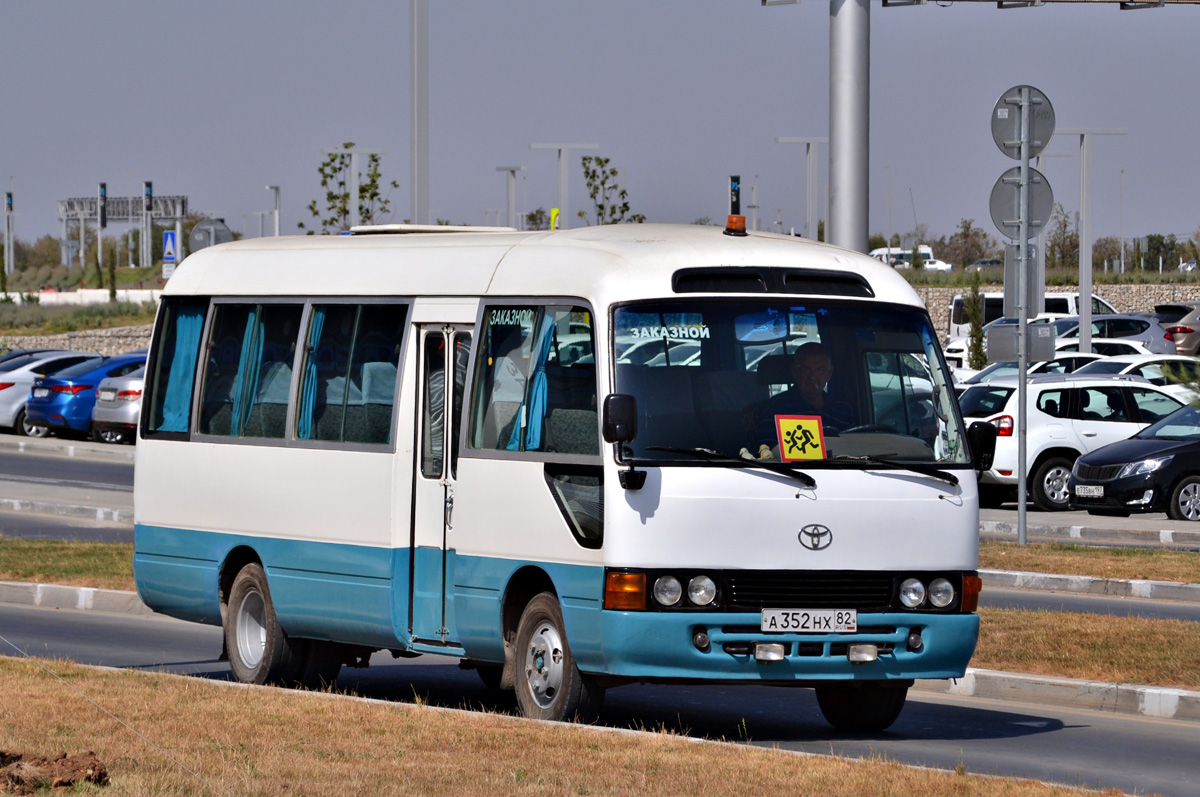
625, 592
972, 586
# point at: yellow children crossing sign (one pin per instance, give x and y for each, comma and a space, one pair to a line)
800, 437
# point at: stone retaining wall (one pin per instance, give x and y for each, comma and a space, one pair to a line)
105, 341
1125, 298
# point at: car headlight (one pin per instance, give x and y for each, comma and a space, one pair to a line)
702, 590
667, 590
1144, 467
941, 593
912, 593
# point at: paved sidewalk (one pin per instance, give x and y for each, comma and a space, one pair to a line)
56, 447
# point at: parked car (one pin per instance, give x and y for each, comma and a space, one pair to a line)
1065, 363
1171, 372
986, 264
16, 379
12, 354
1066, 416
1108, 347
1123, 326
118, 407
956, 350
1155, 470
1181, 320
64, 401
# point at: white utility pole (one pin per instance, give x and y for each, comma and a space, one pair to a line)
419, 34
275, 188
564, 214
512, 192
811, 175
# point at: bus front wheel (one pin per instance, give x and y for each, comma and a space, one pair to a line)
861, 706
259, 650
549, 685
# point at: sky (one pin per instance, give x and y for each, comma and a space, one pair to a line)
219, 99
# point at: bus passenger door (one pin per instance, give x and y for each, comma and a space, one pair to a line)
444, 350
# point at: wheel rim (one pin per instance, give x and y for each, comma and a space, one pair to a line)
34, 431
252, 629
110, 436
1055, 485
544, 665
1189, 501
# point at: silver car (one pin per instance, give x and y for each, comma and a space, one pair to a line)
16, 379
118, 407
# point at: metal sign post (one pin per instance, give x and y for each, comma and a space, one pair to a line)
1022, 125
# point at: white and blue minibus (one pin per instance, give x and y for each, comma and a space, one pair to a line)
567, 458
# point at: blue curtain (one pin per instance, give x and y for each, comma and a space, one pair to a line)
535, 415
177, 397
245, 387
308, 395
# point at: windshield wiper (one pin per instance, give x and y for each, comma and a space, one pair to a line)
931, 471
775, 467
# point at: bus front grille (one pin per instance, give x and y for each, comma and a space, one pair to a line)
757, 590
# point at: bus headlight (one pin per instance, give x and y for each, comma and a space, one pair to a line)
702, 590
667, 590
941, 593
912, 593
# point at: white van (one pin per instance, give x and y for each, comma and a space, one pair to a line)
993, 307
889, 255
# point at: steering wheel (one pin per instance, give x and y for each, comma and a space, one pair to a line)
870, 427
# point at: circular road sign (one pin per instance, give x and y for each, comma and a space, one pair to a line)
1006, 207
209, 232
1006, 122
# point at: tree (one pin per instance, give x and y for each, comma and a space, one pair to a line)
537, 220
611, 202
335, 177
973, 306
1062, 242
968, 244
918, 260
1104, 249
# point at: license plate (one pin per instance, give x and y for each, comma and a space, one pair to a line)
1089, 490
41, 392
108, 395
810, 621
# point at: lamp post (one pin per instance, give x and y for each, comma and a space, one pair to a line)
512, 192
275, 188
563, 149
810, 168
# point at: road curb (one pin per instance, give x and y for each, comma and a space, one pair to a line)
1116, 587
1093, 533
67, 510
66, 448
1148, 701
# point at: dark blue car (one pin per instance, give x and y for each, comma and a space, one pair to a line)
64, 402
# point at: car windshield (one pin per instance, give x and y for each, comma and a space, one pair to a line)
1064, 325
1183, 424
983, 401
799, 381
993, 371
1101, 367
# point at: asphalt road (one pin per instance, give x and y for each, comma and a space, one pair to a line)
66, 471
1078, 748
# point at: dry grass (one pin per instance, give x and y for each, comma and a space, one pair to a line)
269, 742
1093, 646
1090, 560
104, 565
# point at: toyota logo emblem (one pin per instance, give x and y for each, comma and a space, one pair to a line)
816, 537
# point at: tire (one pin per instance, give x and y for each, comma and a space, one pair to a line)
1049, 484
26, 429
259, 650
549, 685
861, 706
101, 435
1185, 500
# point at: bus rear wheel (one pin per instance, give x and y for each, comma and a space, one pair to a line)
259, 650
861, 706
549, 685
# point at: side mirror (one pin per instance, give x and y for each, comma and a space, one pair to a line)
981, 436
620, 418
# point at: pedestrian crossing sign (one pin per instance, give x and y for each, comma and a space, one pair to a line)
169, 247
801, 437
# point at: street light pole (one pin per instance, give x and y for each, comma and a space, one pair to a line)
419, 23
275, 188
512, 192
810, 168
563, 149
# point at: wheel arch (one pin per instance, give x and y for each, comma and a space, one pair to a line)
524, 584
235, 560
1060, 451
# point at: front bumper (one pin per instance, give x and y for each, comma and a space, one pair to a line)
660, 646
1131, 494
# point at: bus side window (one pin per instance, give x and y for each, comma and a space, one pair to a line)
535, 382
176, 351
348, 384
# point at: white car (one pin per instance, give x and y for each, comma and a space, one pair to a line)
1066, 416
1065, 363
16, 379
1157, 369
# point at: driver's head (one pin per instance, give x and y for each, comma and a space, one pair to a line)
811, 369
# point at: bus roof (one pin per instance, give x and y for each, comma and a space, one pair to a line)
603, 263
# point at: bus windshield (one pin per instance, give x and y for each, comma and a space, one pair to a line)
810, 382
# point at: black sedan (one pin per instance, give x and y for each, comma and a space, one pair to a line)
1156, 470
